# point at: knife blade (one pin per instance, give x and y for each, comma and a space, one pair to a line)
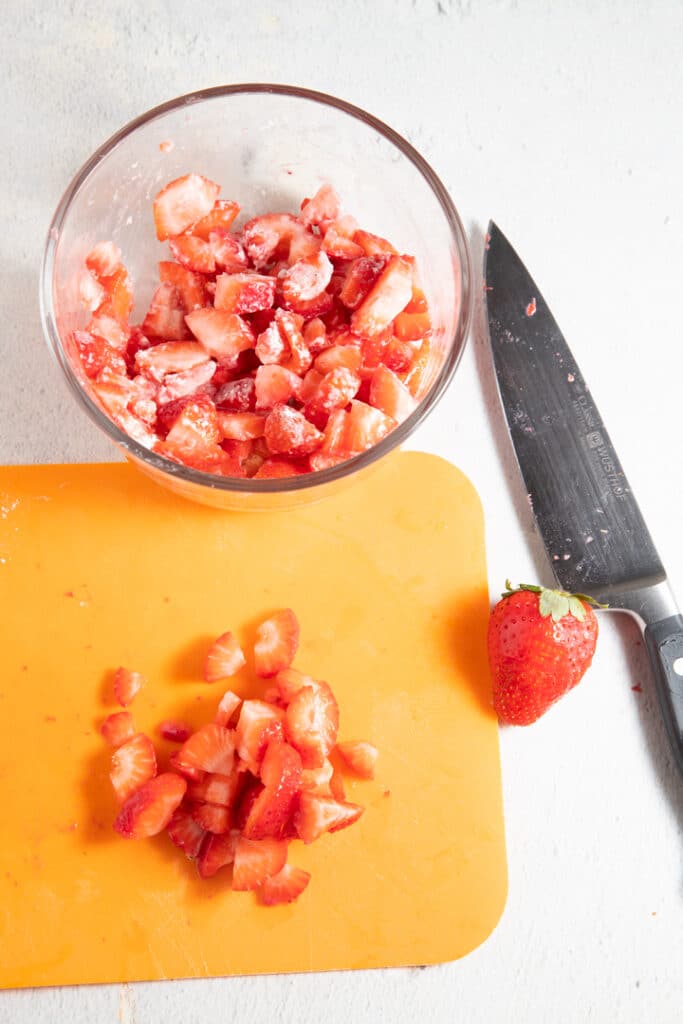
593, 531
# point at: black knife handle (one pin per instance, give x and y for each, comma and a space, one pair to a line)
664, 642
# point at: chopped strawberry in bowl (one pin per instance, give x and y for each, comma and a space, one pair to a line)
253, 326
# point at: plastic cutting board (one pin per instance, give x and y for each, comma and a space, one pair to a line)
99, 567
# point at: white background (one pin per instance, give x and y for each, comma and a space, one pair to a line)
563, 122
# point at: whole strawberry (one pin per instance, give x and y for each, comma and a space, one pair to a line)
540, 644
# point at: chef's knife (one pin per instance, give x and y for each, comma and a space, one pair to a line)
593, 531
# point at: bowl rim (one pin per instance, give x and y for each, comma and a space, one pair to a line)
251, 485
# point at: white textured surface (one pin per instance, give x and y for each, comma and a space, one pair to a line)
563, 122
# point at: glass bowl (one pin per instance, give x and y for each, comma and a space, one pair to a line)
268, 146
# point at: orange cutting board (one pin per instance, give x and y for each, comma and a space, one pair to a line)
99, 567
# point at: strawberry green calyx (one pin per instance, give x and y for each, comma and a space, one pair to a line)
555, 603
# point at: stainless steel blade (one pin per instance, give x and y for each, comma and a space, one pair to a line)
593, 531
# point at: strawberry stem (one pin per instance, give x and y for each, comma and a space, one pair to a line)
555, 603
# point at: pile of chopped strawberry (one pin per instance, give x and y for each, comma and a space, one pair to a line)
241, 788
281, 349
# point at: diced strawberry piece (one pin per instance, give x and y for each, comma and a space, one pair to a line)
277, 468
303, 244
256, 860
311, 723
390, 394
115, 401
268, 238
227, 707
317, 780
224, 658
170, 357
108, 327
258, 724
165, 317
373, 245
218, 789
398, 355
306, 279
90, 291
126, 684
228, 252
218, 852
196, 426
275, 385
211, 749
118, 728
277, 640
315, 336
194, 253
337, 788
335, 441
186, 833
182, 203
319, 814
321, 209
176, 732
187, 770
348, 356
212, 818
373, 349
326, 460
300, 359
361, 757
132, 764
310, 309
244, 293
275, 804
257, 456
237, 395
270, 345
360, 277
95, 353
272, 696
150, 808
284, 887
223, 335
366, 426
309, 385
386, 299
335, 391
252, 790
412, 326
338, 241
418, 303
416, 378
104, 259
241, 426
288, 432
190, 286
289, 681
186, 383
219, 218
119, 301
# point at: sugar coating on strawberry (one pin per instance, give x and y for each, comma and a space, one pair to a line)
286, 292
225, 658
277, 641
540, 644
126, 684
